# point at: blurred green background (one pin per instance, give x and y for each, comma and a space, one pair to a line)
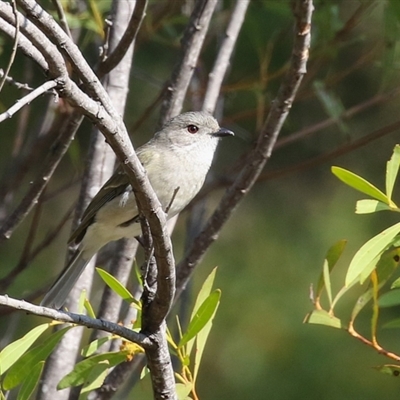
273, 247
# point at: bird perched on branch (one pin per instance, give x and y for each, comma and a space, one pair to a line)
176, 160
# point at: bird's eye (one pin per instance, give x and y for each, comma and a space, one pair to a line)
192, 128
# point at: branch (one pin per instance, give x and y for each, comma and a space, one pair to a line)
128, 37
262, 151
61, 16
60, 146
221, 63
14, 48
111, 125
192, 41
28, 99
78, 319
24, 45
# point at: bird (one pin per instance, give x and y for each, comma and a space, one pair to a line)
177, 160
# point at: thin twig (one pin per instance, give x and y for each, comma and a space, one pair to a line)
25, 45
262, 151
78, 319
30, 199
365, 105
192, 41
61, 16
14, 48
221, 63
45, 87
128, 37
13, 82
26, 260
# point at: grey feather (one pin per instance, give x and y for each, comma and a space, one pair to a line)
58, 293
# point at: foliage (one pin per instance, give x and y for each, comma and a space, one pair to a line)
21, 365
375, 263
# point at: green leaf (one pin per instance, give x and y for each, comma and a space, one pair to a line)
201, 297
392, 169
322, 317
89, 308
23, 367
390, 299
395, 284
28, 387
360, 184
95, 378
368, 206
390, 369
82, 370
93, 346
183, 390
361, 262
202, 316
393, 324
332, 257
15, 350
117, 287
327, 281
385, 267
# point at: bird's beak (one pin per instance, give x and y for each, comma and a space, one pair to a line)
223, 132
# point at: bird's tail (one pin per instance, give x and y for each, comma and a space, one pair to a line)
58, 293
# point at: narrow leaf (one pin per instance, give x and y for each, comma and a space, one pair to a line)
202, 295
15, 350
393, 324
89, 308
183, 390
96, 377
23, 367
360, 184
390, 299
385, 267
28, 387
327, 281
203, 315
368, 206
81, 372
321, 317
368, 252
118, 287
93, 346
332, 257
392, 169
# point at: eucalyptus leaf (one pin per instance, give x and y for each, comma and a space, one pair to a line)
202, 316
360, 184
15, 350
392, 169
322, 317
23, 367
370, 250
368, 206
29, 385
82, 369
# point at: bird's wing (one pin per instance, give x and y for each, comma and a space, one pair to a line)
115, 186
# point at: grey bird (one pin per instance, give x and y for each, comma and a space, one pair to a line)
176, 159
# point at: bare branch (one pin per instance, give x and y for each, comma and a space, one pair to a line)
28, 99
262, 151
221, 63
129, 36
24, 45
30, 199
61, 16
14, 49
192, 41
78, 319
